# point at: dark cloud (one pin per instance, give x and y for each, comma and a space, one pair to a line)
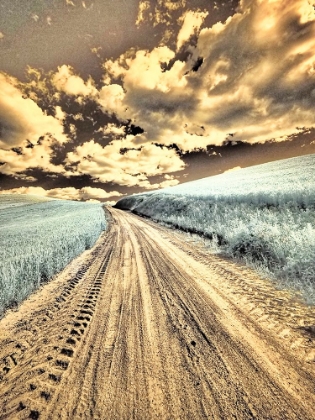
146, 104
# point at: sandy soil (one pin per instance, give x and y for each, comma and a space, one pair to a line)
149, 326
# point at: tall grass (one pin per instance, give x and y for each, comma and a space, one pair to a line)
38, 239
264, 215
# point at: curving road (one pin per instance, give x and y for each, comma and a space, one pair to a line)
148, 327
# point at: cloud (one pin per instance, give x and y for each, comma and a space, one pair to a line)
150, 96
97, 193
250, 78
124, 162
192, 22
236, 168
38, 88
25, 190
170, 181
161, 102
159, 12
145, 71
111, 99
252, 75
1, 35
24, 177
59, 113
68, 193
65, 80
21, 118
112, 130
30, 156
144, 6
260, 89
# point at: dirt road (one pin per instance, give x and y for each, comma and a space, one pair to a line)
149, 326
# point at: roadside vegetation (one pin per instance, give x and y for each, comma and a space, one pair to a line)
263, 215
38, 238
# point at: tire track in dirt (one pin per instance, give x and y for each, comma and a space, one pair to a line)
50, 337
204, 339
145, 330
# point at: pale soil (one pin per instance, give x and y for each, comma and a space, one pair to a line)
149, 326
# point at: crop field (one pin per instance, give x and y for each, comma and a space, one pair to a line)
263, 215
38, 238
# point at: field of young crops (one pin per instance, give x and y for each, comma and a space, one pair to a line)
38, 238
264, 215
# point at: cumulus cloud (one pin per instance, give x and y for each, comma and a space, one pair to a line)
65, 80
124, 162
253, 76
145, 72
161, 102
250, 78
21, 118
170, 181
111, 99
59, 113
30, 156
192, 22
150, 97
112, 130
258, 70
68, 193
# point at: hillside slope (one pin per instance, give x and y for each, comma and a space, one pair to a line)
264, 215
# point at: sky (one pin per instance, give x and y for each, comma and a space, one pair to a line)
105, 98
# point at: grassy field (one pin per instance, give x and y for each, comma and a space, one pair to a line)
263, 215
38, 238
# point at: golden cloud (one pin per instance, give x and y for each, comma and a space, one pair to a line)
68, 193
21, 118
124, 162
256, 78
25, 157
65, 80
191, 23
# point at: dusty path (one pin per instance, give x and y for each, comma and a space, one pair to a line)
147, 326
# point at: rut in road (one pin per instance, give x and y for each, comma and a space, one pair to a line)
144, 329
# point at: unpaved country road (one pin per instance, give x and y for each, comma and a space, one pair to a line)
148, 326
